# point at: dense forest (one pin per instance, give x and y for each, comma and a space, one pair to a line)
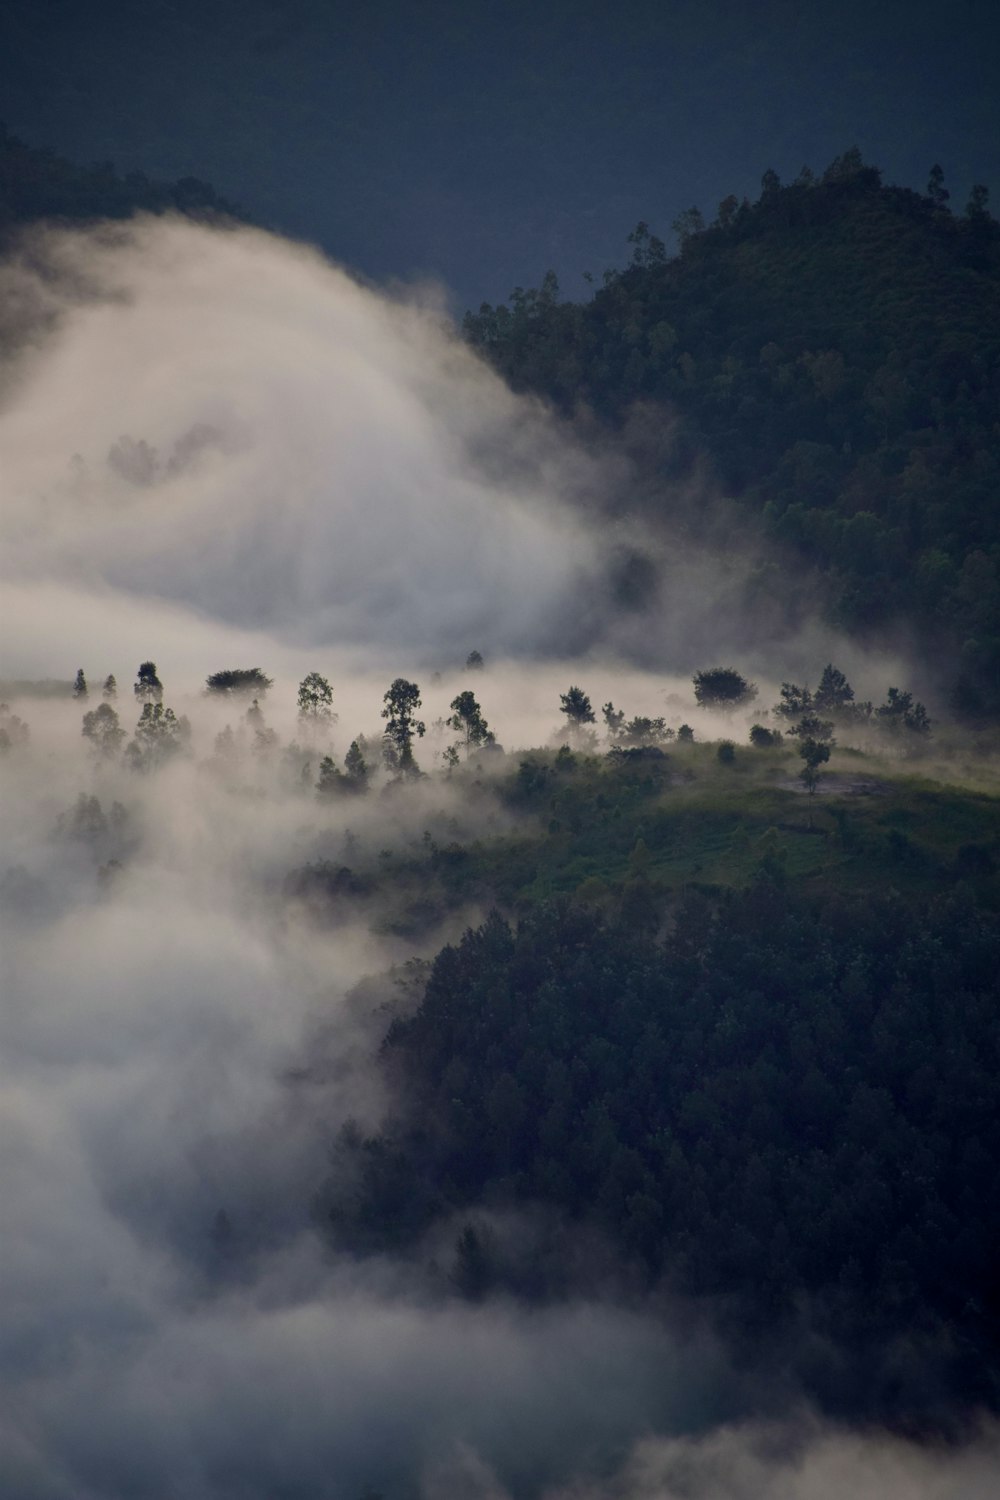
37, 184
682, 1005
729, 1024
833, 353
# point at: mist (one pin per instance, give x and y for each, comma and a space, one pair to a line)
220, 450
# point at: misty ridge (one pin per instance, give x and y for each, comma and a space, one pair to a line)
431, 1111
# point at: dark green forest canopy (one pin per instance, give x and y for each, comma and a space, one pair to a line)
787, 1103
834, 349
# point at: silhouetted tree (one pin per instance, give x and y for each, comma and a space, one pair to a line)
148, 687
722, 688
834, 692
80, 686
401, 701
315, 701
467, 719
239, 680
578, 710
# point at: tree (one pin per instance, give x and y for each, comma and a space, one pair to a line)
812, 727
265, 739
642, 731
722, 688
331, 779
614, 719
577, 707
103, 728
900, 712
936, 190
148, 687
688, 224
110, 689
315, 701
834, 693
401, 700
474, 662
795, 701
467, 719
159, 735
14, 732
356, 767
239, 680
764, 739
80, 686
685, 735
978, 204
815, 753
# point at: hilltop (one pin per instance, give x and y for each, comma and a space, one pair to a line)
833, 353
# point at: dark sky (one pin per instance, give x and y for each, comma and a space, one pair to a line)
483, 142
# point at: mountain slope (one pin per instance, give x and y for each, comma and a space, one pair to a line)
834, 349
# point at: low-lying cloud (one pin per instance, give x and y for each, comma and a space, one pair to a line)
221, 451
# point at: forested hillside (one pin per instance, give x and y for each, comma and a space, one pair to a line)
834, 350
36, 184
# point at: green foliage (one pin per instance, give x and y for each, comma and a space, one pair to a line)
315, 700
401, 701
577, 707
109, 691
765, 739
331, 778
467, 719
148, 687
815, 753
725, 753
834, 693
900, 713
237, 681
834, 349
795, 703
80, 686
722, 688
775, 1102
356, 767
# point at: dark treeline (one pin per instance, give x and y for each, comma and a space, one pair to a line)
834, 349
786, 1104
38, 184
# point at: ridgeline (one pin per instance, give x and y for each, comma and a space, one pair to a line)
833, 350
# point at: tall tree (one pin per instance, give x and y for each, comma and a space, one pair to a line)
467, 719
80, 686
834, 692
148, 687
577, 707
401, 702
315, 701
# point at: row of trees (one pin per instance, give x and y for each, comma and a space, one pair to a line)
808, 715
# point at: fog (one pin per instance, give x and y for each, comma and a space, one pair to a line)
221, 451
